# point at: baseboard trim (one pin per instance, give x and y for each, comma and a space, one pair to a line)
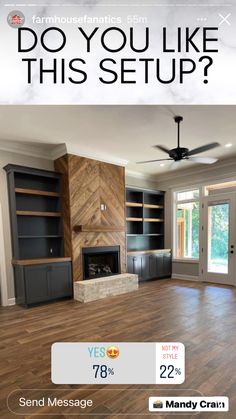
185, 277
11, 301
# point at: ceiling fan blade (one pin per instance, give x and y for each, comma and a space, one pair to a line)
203, 160
176, 164
203, 148
151, 161
162, 148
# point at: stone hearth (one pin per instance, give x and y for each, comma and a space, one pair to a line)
95, 289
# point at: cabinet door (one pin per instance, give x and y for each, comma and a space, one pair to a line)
145, 267
167, 264
137, 263
36, 284
134, 265
19, 283
60, 281
130, 265
152, 266
160, 265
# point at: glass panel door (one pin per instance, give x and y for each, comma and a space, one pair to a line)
218, 256
218, 238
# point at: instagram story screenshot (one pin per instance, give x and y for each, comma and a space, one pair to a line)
118, 209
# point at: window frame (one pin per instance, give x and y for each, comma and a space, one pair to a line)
175, 203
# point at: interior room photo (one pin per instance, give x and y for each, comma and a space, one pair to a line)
117, 223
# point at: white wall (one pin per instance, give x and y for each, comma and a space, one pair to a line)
20, 159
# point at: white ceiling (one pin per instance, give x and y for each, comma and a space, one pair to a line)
119, 133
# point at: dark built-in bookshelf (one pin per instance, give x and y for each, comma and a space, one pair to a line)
41, 271
35, 207
144, 219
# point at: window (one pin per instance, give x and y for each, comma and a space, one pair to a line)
187, 224
188, 195
229, 186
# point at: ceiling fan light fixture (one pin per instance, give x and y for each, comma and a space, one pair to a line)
179, 154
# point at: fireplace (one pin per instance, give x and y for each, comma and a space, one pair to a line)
101, 261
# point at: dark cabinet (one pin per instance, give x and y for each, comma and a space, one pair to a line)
41, 272
36, 284
137, 264
40, 283
59, 278
145, 267
160, 265
150, 266
167, 264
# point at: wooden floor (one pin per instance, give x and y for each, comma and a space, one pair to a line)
202, 316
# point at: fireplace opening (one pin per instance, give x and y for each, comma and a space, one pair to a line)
101, 261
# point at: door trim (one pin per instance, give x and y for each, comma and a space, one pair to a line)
203, 255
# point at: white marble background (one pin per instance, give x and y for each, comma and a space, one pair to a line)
221, 88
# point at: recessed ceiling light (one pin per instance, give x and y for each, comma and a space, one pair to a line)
228, 145
162, 164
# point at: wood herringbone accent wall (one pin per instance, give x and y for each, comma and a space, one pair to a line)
86, 185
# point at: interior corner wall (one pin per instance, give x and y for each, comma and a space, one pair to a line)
23, 160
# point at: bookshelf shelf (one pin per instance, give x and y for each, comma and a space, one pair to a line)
133, 204
152, 206
36, 192
38, 213
133, 219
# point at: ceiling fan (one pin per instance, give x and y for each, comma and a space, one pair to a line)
179, 154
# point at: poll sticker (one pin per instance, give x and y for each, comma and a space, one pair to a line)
118, 363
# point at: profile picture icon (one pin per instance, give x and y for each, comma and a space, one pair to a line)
158, 404
113, 352
16, 19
